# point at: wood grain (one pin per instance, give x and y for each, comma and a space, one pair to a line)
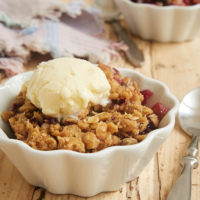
175, 64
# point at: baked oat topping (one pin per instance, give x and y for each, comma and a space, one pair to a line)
124, 121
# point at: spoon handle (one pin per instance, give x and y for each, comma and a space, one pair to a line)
182, 187
133, 54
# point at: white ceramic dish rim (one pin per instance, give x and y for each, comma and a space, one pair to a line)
165, 8
171, 114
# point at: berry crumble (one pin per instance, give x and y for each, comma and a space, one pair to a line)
126, 120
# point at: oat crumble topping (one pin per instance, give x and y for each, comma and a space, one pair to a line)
124, 121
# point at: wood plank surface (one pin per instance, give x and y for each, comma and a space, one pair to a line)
178, 66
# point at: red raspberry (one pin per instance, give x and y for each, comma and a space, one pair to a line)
146, 94
188, 2
160, 110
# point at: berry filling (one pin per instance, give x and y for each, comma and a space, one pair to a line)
147, 94
160, 110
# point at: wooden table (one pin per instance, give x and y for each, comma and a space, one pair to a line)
177, 65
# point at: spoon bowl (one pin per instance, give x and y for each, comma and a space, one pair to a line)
189, 120
189, 113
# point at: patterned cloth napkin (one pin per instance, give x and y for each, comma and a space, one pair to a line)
51, 26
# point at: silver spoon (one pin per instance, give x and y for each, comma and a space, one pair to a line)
111, 13
189, 119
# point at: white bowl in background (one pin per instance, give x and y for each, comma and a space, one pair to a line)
161, 23
86, 174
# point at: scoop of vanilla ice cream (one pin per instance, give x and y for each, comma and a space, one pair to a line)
63, 87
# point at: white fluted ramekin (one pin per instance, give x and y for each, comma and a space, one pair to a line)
64, 171
161, 23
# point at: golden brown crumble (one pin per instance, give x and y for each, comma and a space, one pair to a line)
124, 121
